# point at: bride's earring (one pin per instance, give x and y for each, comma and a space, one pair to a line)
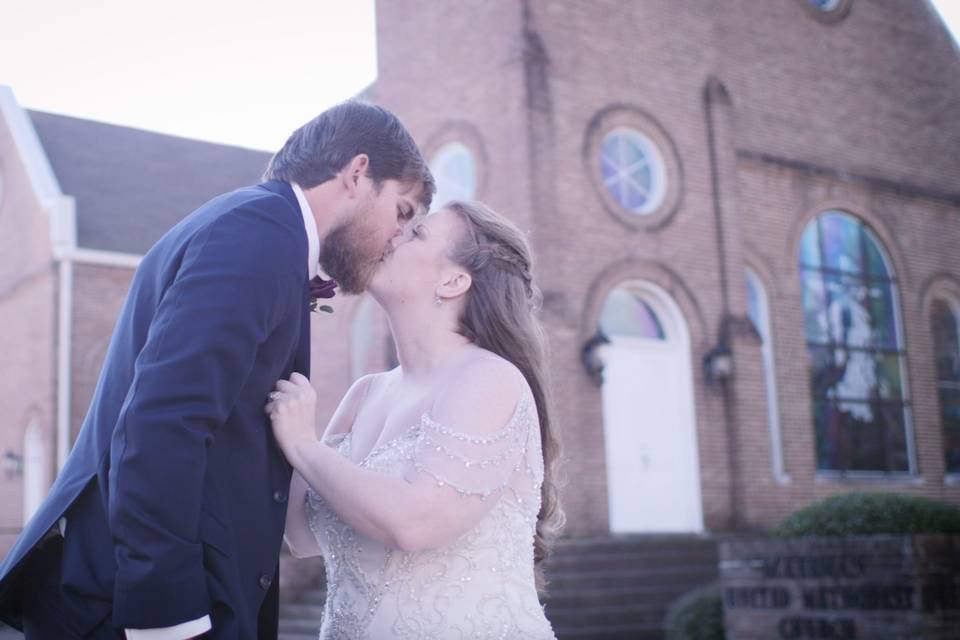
436, 300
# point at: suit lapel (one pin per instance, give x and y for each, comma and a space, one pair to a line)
301, 362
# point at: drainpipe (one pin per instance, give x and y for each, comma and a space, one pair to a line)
63, 228
717, 105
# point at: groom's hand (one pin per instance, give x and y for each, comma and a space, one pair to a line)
292, 407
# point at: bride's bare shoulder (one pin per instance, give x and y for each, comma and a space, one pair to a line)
483, 391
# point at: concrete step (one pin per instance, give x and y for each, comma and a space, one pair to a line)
630, 543
646, 594
299, 625
300, 610
618, 632
640, 558
666, 576
601, 616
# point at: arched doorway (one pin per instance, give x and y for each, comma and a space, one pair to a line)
653, 470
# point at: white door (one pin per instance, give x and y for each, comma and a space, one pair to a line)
653, 470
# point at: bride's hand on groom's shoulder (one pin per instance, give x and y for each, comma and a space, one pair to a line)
292, 407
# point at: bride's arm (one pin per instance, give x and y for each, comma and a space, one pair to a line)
297, 533
461, 469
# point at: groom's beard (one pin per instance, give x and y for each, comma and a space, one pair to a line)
349, 253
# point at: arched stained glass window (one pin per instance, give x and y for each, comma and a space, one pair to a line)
632, 170
455, 171
945, 318
861, 413
625, 314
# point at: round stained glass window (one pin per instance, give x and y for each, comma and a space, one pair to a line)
626, 315
632, 171
455, 171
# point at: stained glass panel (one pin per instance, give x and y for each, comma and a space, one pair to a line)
840, 238
625, 314
855, 355
632, 170
950, 416
889, 376
824, 5
815, 307
876, 265
868, 443
810, 247
754, 308
945, 341
894, 435
832, 444
847, 313
882, 315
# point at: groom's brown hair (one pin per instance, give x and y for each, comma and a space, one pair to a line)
315, 152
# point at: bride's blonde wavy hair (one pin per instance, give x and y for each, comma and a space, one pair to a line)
501, 315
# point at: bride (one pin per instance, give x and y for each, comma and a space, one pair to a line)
429, 494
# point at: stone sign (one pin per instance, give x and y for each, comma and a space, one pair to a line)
865, 588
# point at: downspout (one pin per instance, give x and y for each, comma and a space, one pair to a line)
63, 229
713, 93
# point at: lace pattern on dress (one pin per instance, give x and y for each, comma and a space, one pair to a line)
480, 585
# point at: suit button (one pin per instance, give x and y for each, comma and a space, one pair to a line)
264, 582
279, 496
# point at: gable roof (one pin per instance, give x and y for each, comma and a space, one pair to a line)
132, 185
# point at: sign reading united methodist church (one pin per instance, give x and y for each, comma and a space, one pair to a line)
869, 588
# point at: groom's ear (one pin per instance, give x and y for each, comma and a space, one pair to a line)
354, 174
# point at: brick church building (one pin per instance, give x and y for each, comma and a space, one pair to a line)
746, 217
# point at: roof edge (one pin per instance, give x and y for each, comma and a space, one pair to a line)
43, 180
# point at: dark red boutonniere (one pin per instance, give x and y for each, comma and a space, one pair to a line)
321, 289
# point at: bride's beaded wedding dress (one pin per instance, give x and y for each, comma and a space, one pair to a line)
479, 586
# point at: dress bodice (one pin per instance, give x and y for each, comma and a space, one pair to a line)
481, 585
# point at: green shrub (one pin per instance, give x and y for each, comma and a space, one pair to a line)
870, 513
696, 615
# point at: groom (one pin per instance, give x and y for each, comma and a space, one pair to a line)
167, 519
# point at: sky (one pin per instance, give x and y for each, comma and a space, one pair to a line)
239, 72
230, 71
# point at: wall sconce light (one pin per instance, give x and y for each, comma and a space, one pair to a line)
12, 463
718, 364
590, 359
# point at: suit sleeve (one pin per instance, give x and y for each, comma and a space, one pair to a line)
237, 280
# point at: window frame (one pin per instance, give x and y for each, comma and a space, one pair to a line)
953, 304
864, 278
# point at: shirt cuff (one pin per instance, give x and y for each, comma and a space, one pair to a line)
180, 631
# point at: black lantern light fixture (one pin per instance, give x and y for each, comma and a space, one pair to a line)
590, 359
718, 364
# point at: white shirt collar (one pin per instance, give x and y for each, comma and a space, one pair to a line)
313, 238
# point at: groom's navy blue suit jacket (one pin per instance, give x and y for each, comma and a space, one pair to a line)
175, 491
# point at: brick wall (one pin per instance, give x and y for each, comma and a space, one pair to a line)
28, 308
860, 107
